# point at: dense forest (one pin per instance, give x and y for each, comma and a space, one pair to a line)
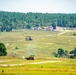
16, 20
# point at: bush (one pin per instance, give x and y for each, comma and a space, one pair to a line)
72, 52
2, 50
72, 56
74, 34
60, 51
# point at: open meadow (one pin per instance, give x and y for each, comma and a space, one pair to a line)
44, 43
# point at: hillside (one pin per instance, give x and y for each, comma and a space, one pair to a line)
44, 43
16, 20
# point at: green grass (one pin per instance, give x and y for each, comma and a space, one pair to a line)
42, 46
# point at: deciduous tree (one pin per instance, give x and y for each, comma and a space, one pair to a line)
2, 50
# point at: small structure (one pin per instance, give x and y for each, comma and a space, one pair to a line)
30, 57
28, 38
49, 28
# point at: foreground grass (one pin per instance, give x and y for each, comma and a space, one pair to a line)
66, 67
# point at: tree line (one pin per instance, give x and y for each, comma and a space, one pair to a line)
16, 20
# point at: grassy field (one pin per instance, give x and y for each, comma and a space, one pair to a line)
42, 46
65, 67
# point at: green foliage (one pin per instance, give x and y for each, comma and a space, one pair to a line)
54, 26
61, 53
73, 52
2, 50
12, 20
66, 53
72, 56
28, 26
74, 34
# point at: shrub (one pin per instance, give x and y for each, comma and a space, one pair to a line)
2, 50
72, 56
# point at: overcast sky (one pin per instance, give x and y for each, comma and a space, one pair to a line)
42, 6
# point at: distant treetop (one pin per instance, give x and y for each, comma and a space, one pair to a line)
13, 20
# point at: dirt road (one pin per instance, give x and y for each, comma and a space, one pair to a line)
29, 63
62, 32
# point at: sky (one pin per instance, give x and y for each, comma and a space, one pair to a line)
41, 6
